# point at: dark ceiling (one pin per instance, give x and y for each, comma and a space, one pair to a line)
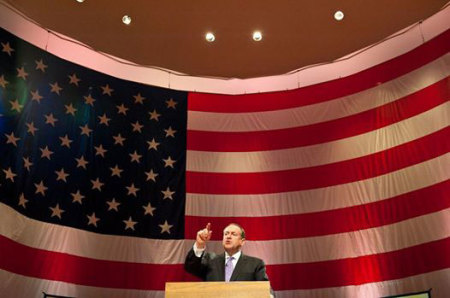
170, 34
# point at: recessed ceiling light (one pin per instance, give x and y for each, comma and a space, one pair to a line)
210, 37
338, 15
126, 20
257, 35
81, 1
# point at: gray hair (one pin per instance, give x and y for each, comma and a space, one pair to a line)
239, 226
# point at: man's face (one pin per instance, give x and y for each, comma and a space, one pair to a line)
232, 240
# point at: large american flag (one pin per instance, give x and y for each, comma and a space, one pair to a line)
342, 187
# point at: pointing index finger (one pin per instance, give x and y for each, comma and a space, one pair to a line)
208, 227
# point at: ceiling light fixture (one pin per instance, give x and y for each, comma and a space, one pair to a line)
338, 15
210, 37
126, 19
257, 35
80, 1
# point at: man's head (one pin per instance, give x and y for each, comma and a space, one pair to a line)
233, 238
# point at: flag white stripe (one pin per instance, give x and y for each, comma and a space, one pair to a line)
360, 192
325, 111
62, 239
437, 281
15, 285
322, 248
325, 153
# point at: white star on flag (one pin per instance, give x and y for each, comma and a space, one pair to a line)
22, 201
40, 65
118, 140
21, 73
99, 150
170, 132
6, 48
9, 174
73, 79
55, 88
3, 82
169, 162
11, 139
81, 162
35, 96
70, 109
27, 163
45, 152
30, 128
65, 141
171, 103
135, 157
89, 100
113, 205
165, 228
138, 98
77, 197
15, 105
129, 224
153, 144
154, 115
116, 171
151, 175
96, 184
149, 209
40, 188
50, 119
132, 190
61, 175
107, 90
56, 211
167, 193
92, 219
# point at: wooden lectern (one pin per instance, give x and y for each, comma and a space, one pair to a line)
219, 289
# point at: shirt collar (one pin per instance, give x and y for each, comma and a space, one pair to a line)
236, 256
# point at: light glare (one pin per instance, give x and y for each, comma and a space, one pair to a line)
126, 20
257, 35
210, 37
338, 15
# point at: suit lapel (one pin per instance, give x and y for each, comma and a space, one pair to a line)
239, 265
221, 267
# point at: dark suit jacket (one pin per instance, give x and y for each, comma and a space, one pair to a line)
211, 267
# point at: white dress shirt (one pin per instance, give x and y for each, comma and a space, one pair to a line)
199, 251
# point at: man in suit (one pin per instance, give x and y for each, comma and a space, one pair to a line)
232, 265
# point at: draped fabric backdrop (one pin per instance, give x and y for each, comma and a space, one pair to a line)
342, 187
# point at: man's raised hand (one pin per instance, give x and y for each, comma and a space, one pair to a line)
203, 236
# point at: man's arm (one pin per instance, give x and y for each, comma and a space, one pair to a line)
194, 263
260, 272
261, 275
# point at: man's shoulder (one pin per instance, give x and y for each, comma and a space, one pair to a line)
251, 259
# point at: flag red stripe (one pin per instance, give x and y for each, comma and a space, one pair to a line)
353, 271
28, 261
423, 201
366, 269
352, 125
363, 80
346, 171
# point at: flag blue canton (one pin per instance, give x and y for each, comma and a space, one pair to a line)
90, 151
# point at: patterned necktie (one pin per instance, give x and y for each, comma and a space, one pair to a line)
229, 268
